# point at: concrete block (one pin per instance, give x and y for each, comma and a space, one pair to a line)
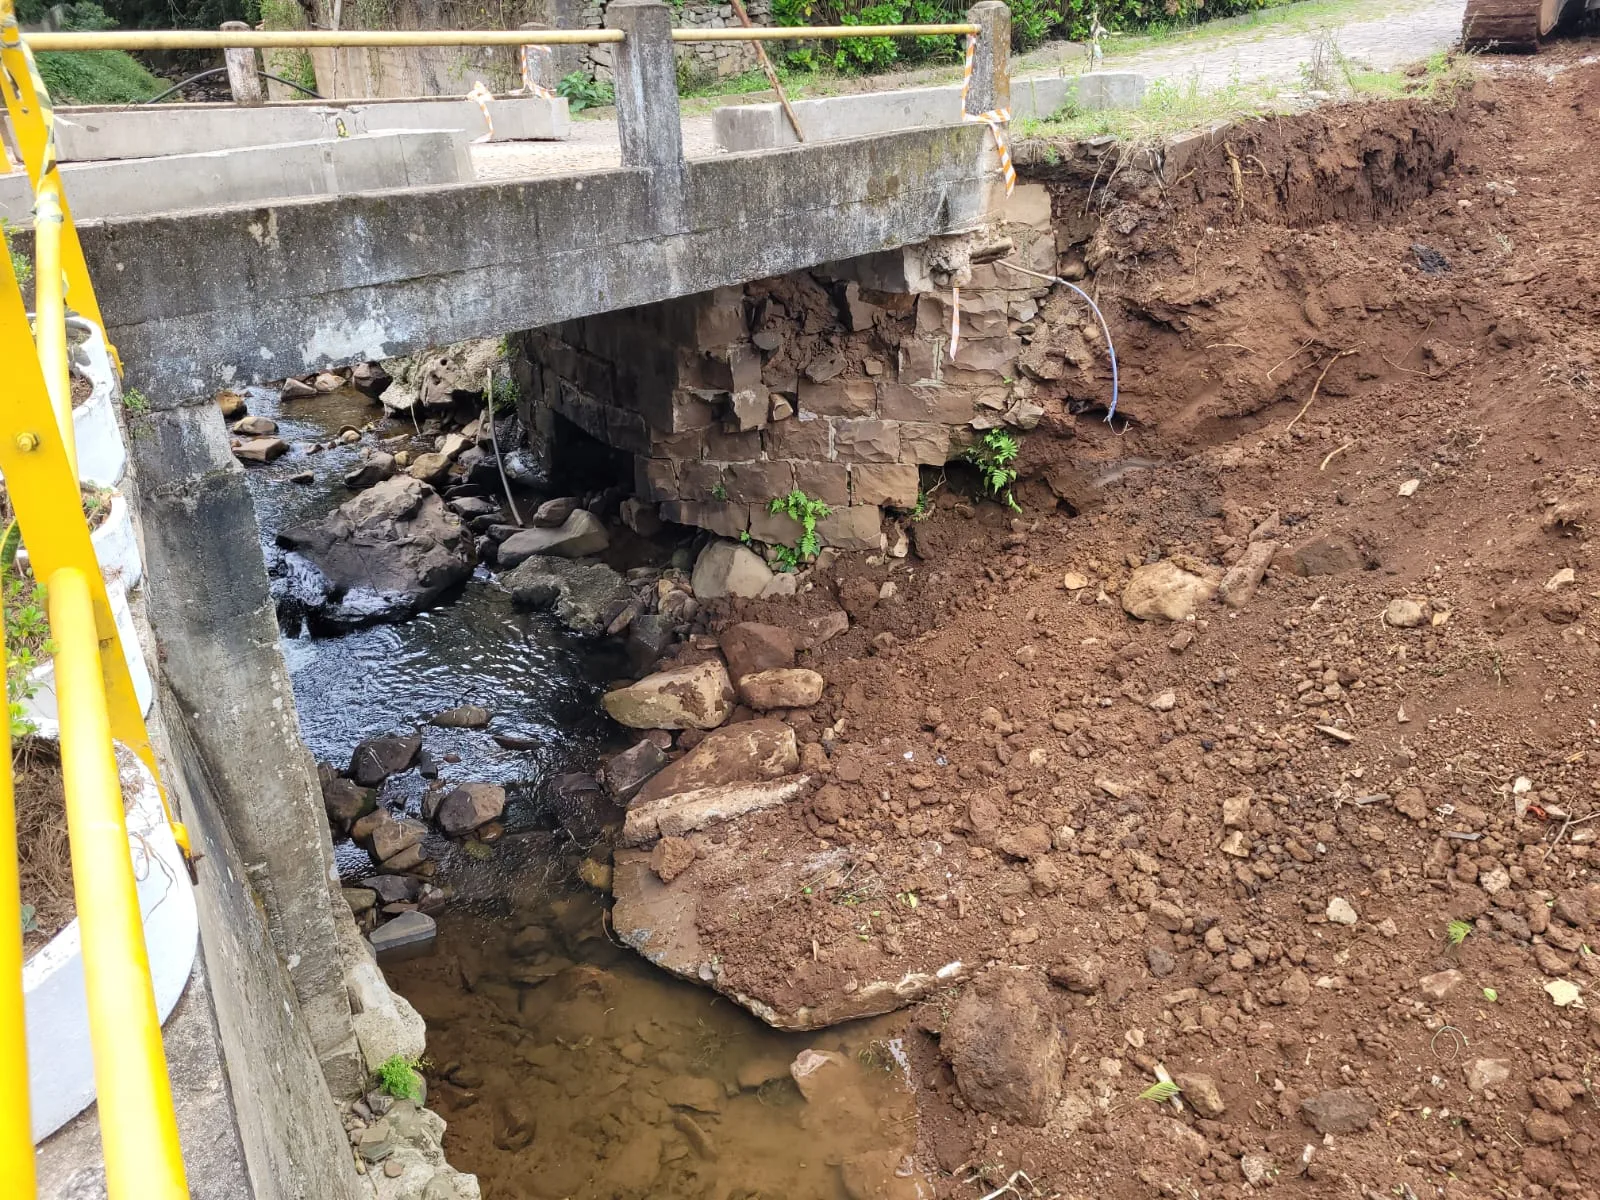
903, 402
759, 482
830, 399
891, 484
359, 164
98, 134
764, 127
925, 443
776, 529
727, 520
701, 481
656, 478
799, 438
858, 527
866, 441
828, 482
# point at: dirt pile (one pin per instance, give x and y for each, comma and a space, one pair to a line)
1321, 858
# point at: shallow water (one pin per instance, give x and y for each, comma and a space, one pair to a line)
565, 1065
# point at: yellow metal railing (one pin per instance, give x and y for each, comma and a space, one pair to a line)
303, 39
96, 704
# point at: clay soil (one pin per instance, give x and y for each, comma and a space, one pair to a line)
1375, 345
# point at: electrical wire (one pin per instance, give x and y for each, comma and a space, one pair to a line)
1106, 329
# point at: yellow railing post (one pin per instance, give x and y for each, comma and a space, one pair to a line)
16, 1122
33, 123
50, 310
138, 1131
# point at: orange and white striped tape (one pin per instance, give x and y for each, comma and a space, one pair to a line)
483, 95
996, 118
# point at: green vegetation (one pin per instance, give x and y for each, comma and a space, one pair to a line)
1490, 995
27, 629
505, 396
397, 1077
135, 402
585, 91
294, 65
1160, 1093
1457, 932
89, 76
993, 454
799, 507
719, 491
1170, 108
21, 264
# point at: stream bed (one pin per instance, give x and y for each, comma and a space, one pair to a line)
565, 1065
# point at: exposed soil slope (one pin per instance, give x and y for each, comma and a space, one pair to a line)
1374, 345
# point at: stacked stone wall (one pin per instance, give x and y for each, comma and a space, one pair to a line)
836, 381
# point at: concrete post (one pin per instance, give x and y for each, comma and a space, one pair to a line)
647, 87
243, 79
991, 67
542, 65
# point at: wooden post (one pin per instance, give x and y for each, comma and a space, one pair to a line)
243, 78
772, 76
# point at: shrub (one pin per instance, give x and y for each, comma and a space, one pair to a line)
585, 91
91, 76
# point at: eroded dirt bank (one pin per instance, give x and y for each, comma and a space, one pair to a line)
1232, 848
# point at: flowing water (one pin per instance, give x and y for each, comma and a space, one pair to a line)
565, 1065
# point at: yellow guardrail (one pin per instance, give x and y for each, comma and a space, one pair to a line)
305, 39
95, 701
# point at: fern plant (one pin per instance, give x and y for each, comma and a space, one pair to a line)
805, 511
994, 455
397, 1077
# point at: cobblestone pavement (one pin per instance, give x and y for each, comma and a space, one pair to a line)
1407, 32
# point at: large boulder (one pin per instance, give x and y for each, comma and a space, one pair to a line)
781, 687
1002, 1043
729, 569
471, 805
693, 697
1166, 591
746, 752
377, 758
443, 380
581, 534
382, 556
585, 597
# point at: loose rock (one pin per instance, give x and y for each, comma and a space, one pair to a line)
693, 697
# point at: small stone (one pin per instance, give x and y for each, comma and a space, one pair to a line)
1485, 1073
1340, 911
553, 514
1404, 613
261, 450
726, 568
394, 1168
1082, 976
254, 427
1342, 1110
1409, 487
465, 716
1166, 591
1236, 811
699, 696
1440, 985
1551, 1095
409, 930
1559, 580
1161, 962
671, 857
813, 1070
595, 874
1164, 701
1202, 1094
1074, 582
1256, 1169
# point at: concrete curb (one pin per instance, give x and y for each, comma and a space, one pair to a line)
764, 127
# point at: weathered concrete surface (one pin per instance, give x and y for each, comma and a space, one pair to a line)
203, 300
215, 627
328, 167
70, 1166
763, 126
89, 134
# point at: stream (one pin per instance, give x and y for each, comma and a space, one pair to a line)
565, 1065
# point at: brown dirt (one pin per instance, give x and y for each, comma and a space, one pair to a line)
82, 389
43, 853
994, 752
